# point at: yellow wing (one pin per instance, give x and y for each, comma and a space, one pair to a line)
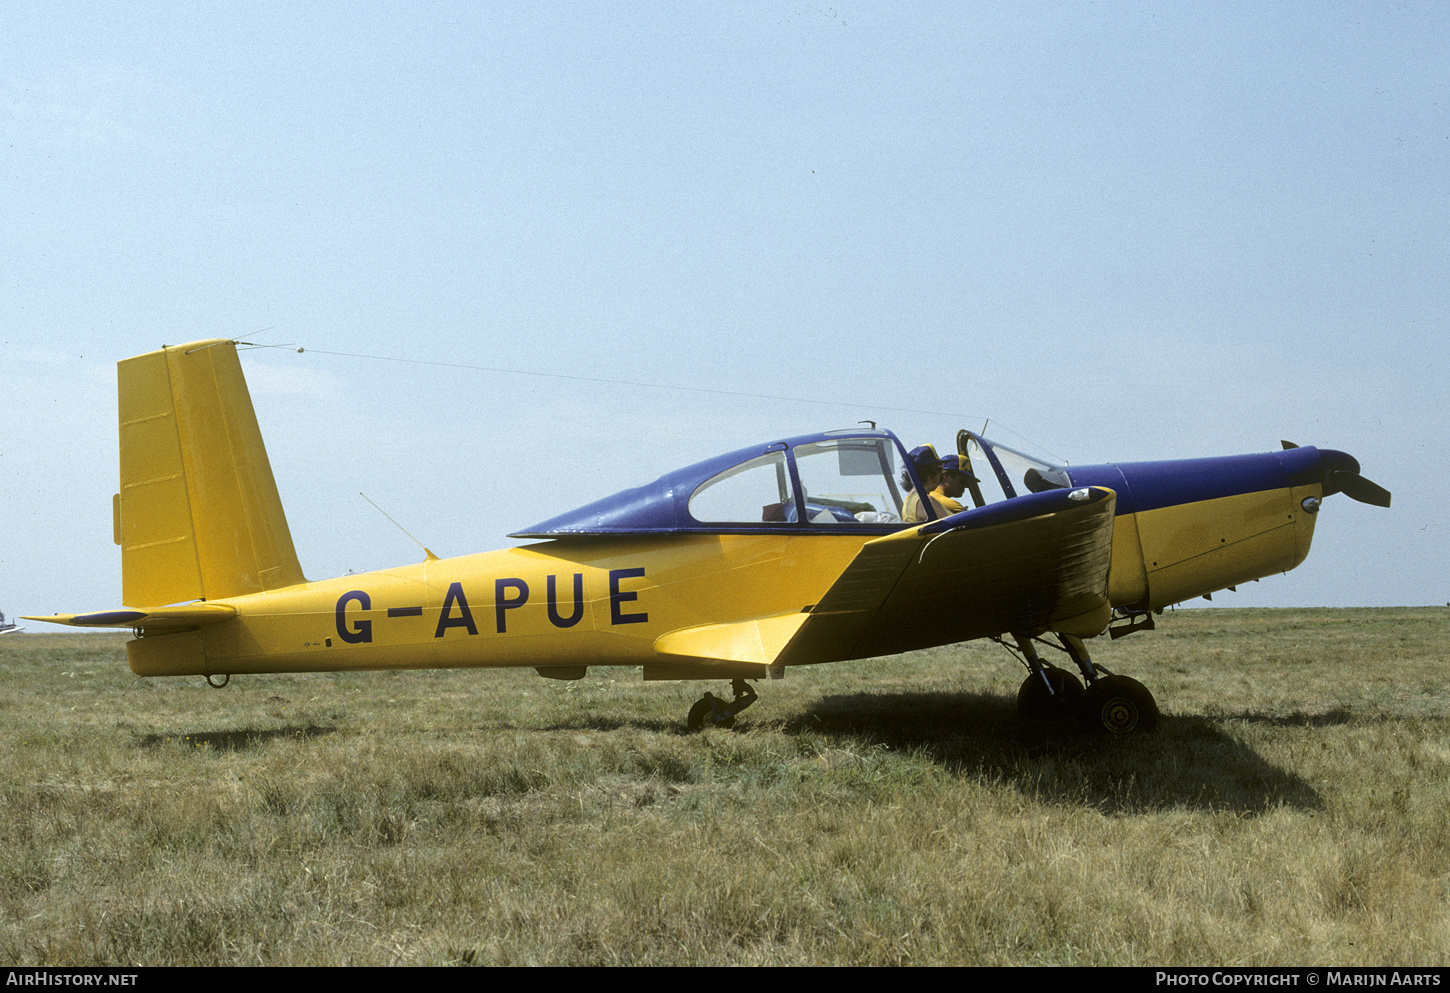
1032, 564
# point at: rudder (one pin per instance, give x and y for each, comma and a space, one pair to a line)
198, 515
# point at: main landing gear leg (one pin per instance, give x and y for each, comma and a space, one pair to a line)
1077, 651
1047, 692
1114, 705
711, 711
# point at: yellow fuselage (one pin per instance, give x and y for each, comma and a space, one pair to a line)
561, 604
577, 602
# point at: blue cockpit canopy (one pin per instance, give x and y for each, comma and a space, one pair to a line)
848, 482
844, 478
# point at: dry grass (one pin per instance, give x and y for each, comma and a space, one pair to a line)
1293, 808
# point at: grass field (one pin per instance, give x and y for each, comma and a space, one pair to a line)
1292, 808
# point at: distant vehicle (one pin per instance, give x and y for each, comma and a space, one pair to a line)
739, 567
8, 627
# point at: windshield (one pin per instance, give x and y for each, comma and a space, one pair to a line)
1005, 472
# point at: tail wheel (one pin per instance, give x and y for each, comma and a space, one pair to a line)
1118, 705
1035, 702
702, 714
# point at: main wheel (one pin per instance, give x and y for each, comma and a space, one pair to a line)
1118, 705
701, 713
1034, 702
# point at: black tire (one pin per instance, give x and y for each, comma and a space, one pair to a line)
700, 715
1118, 705
1035, 703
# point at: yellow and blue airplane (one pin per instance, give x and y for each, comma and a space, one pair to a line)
738, 567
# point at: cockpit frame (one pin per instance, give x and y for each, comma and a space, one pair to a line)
673, 503
1008, 464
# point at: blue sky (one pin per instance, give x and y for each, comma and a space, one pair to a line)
1119, 231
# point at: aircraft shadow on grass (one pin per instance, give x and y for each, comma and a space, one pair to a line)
1191, 764
235, 740
1188, 763
605, 722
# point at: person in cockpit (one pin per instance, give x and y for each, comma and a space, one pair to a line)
955, 474
928, 468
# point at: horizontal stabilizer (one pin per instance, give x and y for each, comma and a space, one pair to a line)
185, 617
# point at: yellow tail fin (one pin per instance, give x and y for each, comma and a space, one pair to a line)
198, 515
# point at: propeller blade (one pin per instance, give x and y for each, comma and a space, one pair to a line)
1356, 487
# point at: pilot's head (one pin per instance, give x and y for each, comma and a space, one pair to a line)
928, 467
955, 475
